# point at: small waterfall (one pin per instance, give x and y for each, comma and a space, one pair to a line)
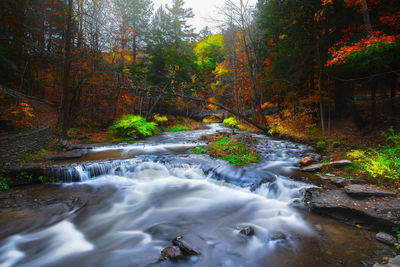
86, 171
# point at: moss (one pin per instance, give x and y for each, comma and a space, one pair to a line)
227, 148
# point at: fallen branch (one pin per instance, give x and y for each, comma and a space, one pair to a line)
264, 129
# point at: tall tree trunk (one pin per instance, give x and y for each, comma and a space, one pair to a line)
67, 69
373, 102
366, 17
321, 99
134, 49
341, 92
393, 91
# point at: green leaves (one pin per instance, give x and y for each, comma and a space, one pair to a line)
230, 122
132, 126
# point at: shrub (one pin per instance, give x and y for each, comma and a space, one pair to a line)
322, 146
132, 126
160, 119
230, 122
4, 183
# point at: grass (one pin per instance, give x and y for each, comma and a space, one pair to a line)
227, 148
178, 128
199, 150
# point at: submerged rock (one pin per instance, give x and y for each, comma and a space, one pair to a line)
368, 191
386, 238
173, 253
278, 236
185, 247
246, 230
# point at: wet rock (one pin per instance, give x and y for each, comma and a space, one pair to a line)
393, 262
367, 191
312, 168
246, 230
370, 212
386, 238
173, 253
318, 167
278, 236
185, 247
339, 181
75, 154
306, 161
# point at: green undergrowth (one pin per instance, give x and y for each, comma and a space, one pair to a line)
382, 162
132, 127
159, 119
232, 122
227, 148
178, 128
25, 178
323, 143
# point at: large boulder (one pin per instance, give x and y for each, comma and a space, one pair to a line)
372, 212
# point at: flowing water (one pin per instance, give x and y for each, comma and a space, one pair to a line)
121, 205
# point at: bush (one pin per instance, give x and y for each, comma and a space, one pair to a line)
132, 127
230, 122
160, 119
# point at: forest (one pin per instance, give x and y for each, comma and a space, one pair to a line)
305, 89
291, 68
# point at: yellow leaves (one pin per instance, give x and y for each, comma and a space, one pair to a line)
282, 36
22, 114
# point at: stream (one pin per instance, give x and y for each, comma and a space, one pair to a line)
121, 205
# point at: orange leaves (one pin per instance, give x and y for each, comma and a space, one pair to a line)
22, 114
340, 55
132, 31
